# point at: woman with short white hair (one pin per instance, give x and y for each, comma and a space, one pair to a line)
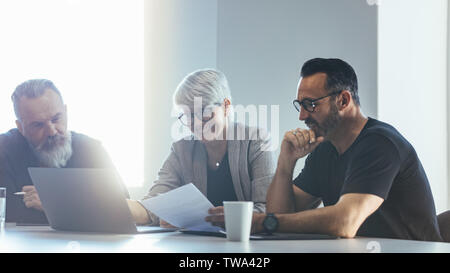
226, 161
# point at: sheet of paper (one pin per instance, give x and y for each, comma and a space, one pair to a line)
184, 207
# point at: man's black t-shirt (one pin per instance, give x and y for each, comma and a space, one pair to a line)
15, 158
383, 163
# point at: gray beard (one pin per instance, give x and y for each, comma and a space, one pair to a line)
328, 127
54, 155
331, 122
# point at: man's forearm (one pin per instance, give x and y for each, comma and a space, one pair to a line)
342, 219
327, 220
280, 195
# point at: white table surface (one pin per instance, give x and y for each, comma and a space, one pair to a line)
45, 239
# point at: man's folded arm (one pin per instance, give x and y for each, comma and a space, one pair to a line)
342, 219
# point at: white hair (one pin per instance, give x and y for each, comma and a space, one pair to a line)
55, 152
32, 89
208, 84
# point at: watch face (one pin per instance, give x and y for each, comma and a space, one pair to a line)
270, 223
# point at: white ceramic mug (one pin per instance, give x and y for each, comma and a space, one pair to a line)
238, 219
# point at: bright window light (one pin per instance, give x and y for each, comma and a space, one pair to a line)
93, 50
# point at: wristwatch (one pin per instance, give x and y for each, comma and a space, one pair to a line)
270, 223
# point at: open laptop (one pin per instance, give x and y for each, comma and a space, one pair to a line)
87, 200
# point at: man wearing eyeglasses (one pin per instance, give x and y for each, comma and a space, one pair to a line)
367, 175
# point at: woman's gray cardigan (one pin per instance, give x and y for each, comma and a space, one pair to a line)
251, 164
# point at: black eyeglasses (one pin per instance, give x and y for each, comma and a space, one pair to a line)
207, 115
309, 104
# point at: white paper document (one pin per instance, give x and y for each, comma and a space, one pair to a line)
184, 207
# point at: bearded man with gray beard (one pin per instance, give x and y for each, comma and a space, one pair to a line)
41, 139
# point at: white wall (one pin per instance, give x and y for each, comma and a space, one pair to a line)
448, 105
262, 45
412, 81
259, 44
180, 36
